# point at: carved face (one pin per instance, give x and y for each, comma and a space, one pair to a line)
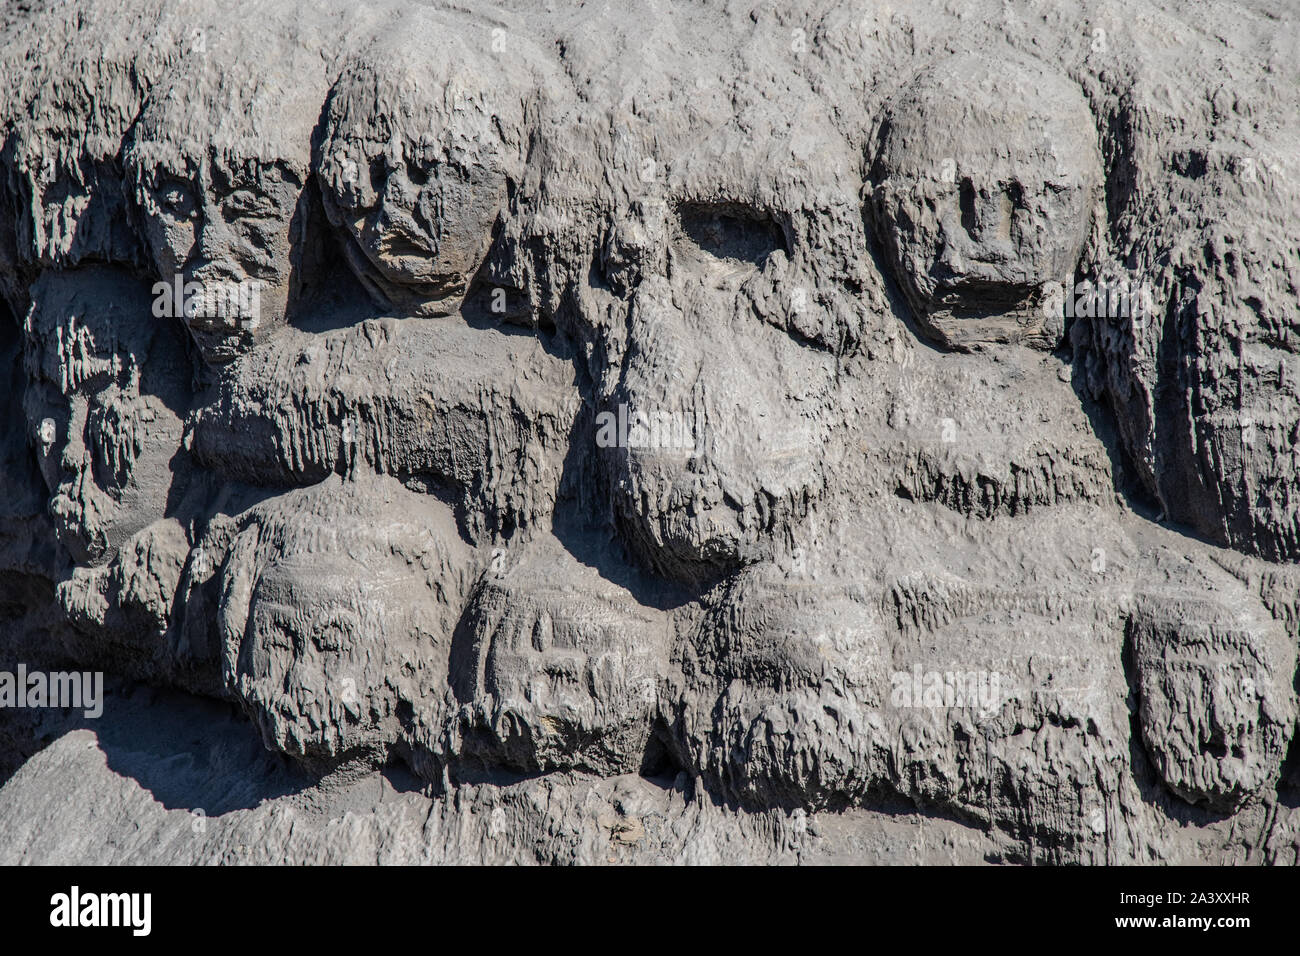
229, 246
333, 630
104, 407
737, 301
697, 497
628, 439
219, 166
986, 175
421, 139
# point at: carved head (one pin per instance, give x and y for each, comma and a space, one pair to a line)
218, 161
423, 136
986, 173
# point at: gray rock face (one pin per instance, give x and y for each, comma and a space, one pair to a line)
1215, 708
424, 133
337, 626
558, 667
987, 175
688, 434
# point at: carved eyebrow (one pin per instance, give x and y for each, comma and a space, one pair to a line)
287, 173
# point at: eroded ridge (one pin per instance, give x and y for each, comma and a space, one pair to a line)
695, 416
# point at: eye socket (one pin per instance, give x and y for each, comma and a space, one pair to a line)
378, 174
417, 173
176, 199
334, 629
244, 202
276, 630
732, 232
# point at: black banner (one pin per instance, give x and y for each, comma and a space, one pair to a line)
269, 905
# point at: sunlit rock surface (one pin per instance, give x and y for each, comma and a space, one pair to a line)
689, 433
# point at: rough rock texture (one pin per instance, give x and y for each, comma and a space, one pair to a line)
707, 432
986, 177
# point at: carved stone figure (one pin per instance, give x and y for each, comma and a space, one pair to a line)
679, 433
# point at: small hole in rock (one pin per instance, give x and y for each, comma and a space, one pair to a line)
732, 231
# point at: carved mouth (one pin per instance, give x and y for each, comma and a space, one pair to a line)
734, 234
976, 298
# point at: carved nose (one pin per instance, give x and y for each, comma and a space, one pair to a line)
983, 236
214, 237
986, 213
